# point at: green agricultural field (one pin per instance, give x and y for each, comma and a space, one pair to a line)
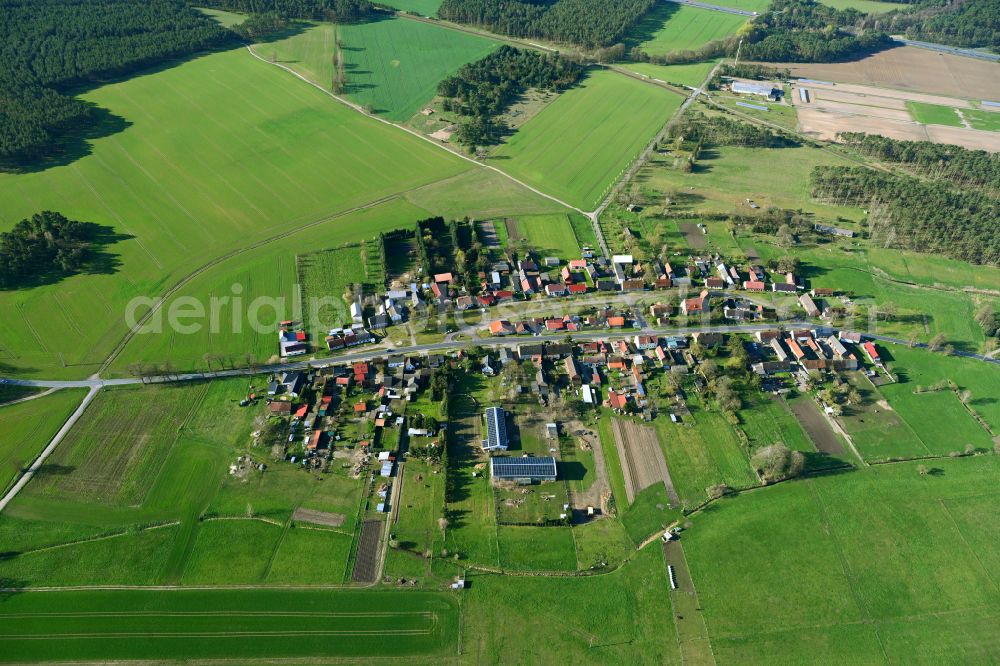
423, 7
983, 120
616, 618
307, 50
876, 429
649, 513
692, 75
842, 565
418, 529
245, 625
616, 477
551, 235
675, 27
234, 551
934, 114
536, 548
394, 65
579, 144
942, 423
116, 450
214, 154
27, 427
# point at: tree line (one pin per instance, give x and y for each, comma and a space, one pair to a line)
43, 244
917, 214
589, 23
46, 46
789, 31
338, 11
971, 24
961, 166
482, 90
722, 131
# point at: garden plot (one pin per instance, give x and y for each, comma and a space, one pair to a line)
642, 459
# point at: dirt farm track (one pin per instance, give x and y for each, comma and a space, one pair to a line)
911, 69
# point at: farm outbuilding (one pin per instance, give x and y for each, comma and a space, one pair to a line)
759, 88
524, 470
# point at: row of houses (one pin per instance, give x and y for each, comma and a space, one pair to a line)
809, 350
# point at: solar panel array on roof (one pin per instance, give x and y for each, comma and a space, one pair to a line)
539, 469
496, 429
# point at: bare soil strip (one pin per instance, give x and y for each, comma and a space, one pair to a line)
911, 69
692, 235
318, 517
817, 427
366, 562
642, 459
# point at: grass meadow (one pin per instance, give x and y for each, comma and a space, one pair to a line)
27, 427
852, 566
702, 451
680, 28
933, 114
536, 548
218, 153
579, 144
552, 235
616, 618
983, 120
243, 625
866, 6
691, 74
724, 177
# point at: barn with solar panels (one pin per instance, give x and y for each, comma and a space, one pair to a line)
523, 470
496, 430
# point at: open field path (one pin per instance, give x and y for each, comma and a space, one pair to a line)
351, 105
47, 451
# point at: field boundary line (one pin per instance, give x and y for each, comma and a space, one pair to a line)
100, 537
351, 105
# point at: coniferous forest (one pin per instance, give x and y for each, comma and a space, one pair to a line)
481, 90
590, 23
47, 46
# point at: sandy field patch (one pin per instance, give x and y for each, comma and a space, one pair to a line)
970, 138
912, 69
843, 108
818, 94
824, 125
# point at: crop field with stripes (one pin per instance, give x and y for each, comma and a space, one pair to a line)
244, 624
